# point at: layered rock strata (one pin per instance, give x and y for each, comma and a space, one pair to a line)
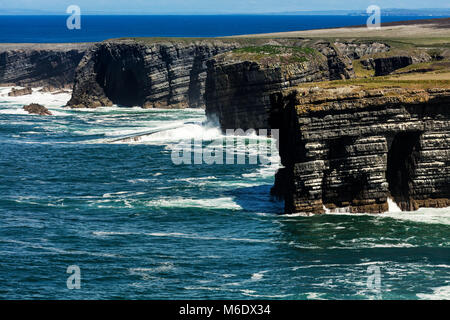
239, 85
349, 148
388, 64
35, 65
131, 73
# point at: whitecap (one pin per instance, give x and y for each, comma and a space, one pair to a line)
258, 275
393, 207
215, 203
439, 293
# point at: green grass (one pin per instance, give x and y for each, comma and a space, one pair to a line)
382, 82
267, 49
276, 54
360, 71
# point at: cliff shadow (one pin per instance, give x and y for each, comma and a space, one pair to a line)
401, 165
257, 199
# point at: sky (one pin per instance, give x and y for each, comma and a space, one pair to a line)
210, 6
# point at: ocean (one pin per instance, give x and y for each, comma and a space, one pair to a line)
42, 29
140, 227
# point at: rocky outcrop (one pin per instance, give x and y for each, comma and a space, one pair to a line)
152, 75
386, 65
35, 65
38, 109
339, 64
357, 50
239, 84
352, 148
20, 92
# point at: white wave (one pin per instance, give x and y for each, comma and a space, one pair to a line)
265, 296
423, 215
186, 132
217, 203
299, 214
258, 276
19, 111
439, 293
343, 210
209, 289
370, 245
178, 235
163, 268
122, 194
44, 98
135, 181
314, 296
393, 207
111, 233
266, 170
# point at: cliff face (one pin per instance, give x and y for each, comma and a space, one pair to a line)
351, 148
40, 64
386, 65
238, 94
239, 84
130, 73
358, 50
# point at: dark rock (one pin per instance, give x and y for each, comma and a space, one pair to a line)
151, 75
36, 65
354, 149
238, 91
38, 109
339, 65
368, 64
384, 66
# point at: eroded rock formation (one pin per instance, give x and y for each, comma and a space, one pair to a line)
357, 50
354, 148
20, 92
239, 83
390, 63
159, 74
34, 65
38, 109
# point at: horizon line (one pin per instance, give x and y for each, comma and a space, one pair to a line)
29, 12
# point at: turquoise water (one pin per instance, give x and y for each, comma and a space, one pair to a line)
140, 227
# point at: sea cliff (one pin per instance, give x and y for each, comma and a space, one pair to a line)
36, 65
352, 148
153, 74
360, 121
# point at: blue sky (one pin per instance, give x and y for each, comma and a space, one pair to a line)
212, 6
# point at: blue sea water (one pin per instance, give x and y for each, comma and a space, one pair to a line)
41, 29
140, 227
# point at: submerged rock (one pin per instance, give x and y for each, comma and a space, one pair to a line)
20, 92
38, 109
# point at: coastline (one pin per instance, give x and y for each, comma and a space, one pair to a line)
351, 184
